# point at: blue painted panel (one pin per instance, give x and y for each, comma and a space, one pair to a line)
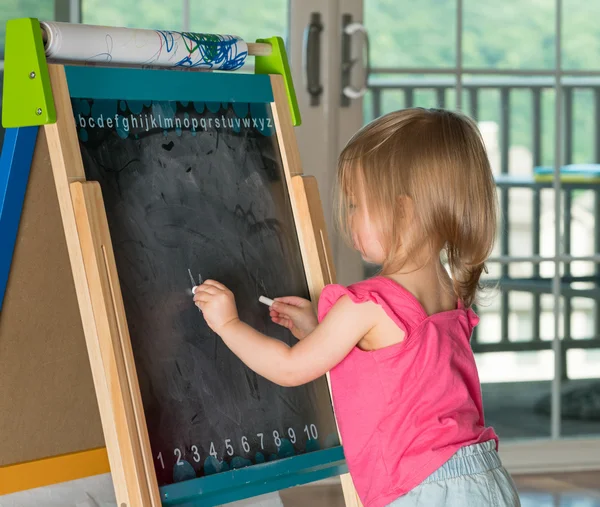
15, 163
158, 85
255, 480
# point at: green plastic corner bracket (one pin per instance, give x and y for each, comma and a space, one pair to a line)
277, 63
27, 95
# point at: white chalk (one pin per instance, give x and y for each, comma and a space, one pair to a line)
266, 301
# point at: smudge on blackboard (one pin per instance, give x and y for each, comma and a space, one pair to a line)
230, 218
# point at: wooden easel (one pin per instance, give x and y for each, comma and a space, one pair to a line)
98, 291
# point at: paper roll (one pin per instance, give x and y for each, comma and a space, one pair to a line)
158, 48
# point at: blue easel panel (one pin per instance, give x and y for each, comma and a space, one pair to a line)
15, 164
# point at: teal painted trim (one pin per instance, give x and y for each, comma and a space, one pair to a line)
255, 480
167, 85
15, 164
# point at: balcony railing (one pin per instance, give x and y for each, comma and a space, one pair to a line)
534, 284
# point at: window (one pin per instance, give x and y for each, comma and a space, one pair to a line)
508, 66
237, 17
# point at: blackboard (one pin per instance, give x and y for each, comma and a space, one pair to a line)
201, 186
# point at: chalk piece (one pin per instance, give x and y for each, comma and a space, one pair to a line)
194, 289
192, 278
266, 301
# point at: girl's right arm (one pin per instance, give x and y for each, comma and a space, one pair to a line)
342, 328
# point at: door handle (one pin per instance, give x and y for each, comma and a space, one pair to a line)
312, 58
349, 29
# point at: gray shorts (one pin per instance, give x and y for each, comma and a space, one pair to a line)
473, 477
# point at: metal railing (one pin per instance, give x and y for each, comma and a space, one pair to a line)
536, 284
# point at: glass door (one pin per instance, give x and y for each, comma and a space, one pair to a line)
521, 70
315, 47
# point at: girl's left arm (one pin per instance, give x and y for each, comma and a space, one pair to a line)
343, 327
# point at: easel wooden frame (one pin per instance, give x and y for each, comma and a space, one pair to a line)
99, 295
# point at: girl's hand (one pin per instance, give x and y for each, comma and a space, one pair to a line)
295, 314
217, 304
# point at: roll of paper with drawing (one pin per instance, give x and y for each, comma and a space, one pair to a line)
161, 48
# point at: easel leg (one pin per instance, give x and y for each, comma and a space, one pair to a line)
350, 496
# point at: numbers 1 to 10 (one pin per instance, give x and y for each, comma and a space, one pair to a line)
310, 430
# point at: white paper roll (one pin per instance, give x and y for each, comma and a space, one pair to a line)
162, 48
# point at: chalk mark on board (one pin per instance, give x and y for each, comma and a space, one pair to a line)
117, 172
261, 286
243, 252
287, 402
216, 340
252, 380
256, 227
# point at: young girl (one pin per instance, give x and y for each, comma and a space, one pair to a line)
414, 185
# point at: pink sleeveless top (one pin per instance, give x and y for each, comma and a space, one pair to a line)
404, 410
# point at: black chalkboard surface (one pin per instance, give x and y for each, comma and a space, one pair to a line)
200, 186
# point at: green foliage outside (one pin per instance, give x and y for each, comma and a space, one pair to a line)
515, 34
10, 9
250, 20
512, 34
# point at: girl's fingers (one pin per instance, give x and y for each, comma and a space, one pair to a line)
283, 322
280, 315
216, 284
292, 301
209, 289
282, 312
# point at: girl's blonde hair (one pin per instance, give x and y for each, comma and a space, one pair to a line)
436, 159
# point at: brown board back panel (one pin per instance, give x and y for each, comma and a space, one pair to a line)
47, 400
